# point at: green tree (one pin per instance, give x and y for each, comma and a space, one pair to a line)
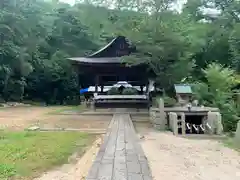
217, 92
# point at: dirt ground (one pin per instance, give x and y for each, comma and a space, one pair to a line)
19, 118
74, 121
177, 158
170, 157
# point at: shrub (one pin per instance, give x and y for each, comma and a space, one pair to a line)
229, 116
217, 92
130, 91
168, 101
202, 94
113, 91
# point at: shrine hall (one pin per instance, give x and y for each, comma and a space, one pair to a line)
106, 68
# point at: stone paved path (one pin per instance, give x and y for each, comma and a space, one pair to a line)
120, 156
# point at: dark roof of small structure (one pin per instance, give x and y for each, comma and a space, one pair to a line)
183, 89
109, 54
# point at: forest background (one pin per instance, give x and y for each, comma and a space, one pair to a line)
198, 43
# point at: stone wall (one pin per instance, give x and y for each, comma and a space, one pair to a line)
158, 117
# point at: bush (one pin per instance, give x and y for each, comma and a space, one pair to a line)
113, 91
168, 101
202, 94
217, 92
130, 91
229, 116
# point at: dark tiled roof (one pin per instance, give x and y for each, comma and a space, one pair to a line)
109, 54
104, 48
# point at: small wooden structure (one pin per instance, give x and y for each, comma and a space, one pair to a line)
106, 67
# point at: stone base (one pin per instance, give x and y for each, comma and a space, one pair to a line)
159, 127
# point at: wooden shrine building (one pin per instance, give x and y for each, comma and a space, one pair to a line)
105, 67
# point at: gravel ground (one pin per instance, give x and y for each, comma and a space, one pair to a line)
176, 158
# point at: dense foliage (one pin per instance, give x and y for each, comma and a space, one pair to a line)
113, 91
217, 91
129, 91
176, 43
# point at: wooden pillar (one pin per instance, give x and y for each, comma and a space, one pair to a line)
147, 87
141, 87
101, 83
79, 87
76, 69
96, 83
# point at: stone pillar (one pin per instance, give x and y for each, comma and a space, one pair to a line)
170, 121
219, 126
173, 122
92, 105
215, 122
152, 115
157, 120
210, 123
237, 134
151, 84
161, 116
183, 123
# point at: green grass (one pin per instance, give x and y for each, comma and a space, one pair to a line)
231, 143
24, 155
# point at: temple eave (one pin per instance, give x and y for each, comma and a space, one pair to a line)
105, 60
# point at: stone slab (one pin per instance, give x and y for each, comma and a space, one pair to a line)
120, 156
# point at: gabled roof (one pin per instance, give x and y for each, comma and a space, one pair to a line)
103, 48
183, 89
110, 53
